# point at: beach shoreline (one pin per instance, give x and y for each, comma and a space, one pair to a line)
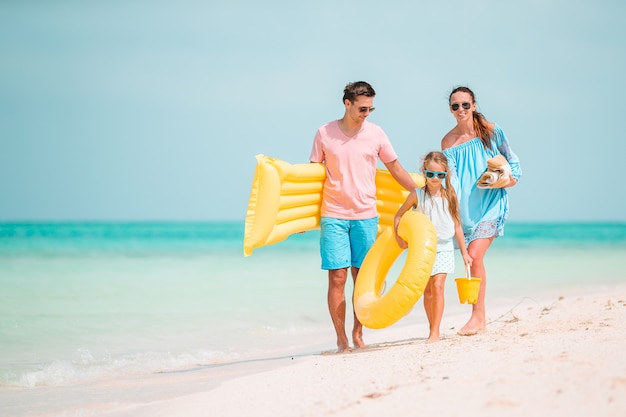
549, 355
559, 356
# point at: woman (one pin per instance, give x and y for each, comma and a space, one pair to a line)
468, 146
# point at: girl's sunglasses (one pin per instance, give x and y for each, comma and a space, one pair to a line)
465, 105
438, 174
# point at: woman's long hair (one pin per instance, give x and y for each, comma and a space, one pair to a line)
483, 129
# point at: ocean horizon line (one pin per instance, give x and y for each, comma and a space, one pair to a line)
232, 221
198, 234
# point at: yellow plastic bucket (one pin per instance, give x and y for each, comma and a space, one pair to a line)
468, 288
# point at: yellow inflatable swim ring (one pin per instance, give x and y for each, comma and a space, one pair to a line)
286, 199
376, 311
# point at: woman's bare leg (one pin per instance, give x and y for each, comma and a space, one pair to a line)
477, 322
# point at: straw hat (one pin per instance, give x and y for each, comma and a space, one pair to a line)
498, 173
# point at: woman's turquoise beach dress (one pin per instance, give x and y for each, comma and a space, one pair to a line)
483, 211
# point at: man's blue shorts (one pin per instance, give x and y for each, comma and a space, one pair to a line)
344, 243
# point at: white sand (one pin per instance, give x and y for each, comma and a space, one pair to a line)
560, 356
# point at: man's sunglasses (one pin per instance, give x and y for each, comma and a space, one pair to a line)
364, 109
438, 174
465, 105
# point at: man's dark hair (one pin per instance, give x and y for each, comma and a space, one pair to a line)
357, 88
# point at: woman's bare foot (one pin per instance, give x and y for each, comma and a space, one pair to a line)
473, 326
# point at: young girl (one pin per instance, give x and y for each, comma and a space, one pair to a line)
440, 205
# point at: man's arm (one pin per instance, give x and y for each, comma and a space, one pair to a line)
400, 174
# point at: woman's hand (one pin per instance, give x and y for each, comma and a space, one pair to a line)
512, 182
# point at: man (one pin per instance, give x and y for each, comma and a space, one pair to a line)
350, 148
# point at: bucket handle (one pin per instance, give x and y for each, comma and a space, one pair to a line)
467, 270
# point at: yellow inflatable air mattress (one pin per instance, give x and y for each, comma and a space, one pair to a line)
286, 199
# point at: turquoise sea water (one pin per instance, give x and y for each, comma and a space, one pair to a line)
82, 302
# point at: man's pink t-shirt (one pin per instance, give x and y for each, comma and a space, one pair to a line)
350, 189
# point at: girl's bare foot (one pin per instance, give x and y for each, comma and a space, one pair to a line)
432, 339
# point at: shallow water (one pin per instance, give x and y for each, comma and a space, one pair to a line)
84, 303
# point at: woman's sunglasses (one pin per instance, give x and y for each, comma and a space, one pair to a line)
438, 174
364, 109
465, 105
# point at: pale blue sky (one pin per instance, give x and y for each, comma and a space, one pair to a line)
154, 110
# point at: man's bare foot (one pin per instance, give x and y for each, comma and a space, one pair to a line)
472, 328
357, 339
343, 348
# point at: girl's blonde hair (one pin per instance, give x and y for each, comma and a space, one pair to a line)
448, 191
